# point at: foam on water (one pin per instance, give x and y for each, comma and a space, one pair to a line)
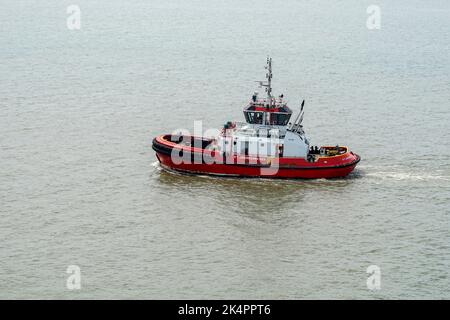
402, 174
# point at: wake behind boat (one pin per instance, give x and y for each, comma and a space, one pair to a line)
266, 145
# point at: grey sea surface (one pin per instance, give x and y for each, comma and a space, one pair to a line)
80, 184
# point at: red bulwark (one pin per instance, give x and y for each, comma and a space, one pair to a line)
247, 166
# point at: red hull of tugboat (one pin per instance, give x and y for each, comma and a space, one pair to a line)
239, 166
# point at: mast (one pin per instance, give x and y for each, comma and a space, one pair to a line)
269, 80
268, 86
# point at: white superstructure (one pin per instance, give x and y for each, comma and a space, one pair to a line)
267, 131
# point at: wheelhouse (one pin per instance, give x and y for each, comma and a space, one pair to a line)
278, 116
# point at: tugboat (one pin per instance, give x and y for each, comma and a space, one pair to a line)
267, 145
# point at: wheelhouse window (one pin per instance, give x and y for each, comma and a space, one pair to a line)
253, 117
280, 119
275, 118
